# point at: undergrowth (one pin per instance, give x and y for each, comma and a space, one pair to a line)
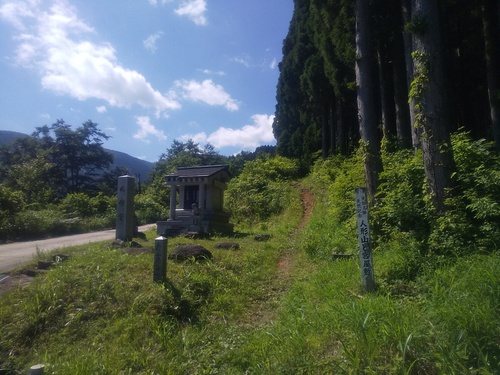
284, 306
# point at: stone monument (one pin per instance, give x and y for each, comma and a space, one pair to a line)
125, 225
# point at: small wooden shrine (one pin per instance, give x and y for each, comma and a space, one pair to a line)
196, 200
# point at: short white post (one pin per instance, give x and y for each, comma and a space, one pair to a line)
160, 260
365, 251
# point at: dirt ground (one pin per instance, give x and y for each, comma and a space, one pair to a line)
14, 281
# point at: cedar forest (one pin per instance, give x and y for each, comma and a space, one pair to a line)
407, 72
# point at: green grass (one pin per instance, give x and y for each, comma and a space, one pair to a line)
276, 307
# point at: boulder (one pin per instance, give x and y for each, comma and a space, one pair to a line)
262, 237
185, 252
227, 245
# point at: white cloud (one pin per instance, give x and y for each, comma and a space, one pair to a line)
150, 41
206, 92
196, 138
59, 46
101, 109
14, 12
212, 73
147, 129
273, 64
243, 60
248, 137
195, 10
155, 2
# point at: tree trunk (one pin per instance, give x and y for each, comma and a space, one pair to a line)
403, 120
408, 47
342, 128
492, 53
430, 85
325, 131
386, 82
367, 106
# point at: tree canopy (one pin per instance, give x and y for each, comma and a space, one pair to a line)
55, 161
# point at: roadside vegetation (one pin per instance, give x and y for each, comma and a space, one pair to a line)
58, 181
285, 306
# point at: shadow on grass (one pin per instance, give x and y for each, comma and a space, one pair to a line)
186, 304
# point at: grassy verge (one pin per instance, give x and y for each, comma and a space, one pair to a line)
276, 307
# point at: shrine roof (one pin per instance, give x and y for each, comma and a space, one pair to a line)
199, 171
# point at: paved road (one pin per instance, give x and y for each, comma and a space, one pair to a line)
15, 254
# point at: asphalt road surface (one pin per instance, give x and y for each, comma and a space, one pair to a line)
15, 254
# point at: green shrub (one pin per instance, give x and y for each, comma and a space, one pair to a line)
77, 204
102, 204
261, 190
32, 224
401, 196
349, 176
11, 201
148, 210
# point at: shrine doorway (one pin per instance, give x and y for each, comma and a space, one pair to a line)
191, 194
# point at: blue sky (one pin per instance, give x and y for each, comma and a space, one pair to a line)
147, 71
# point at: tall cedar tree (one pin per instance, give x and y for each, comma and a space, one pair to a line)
367, 102
491, 24
430, 88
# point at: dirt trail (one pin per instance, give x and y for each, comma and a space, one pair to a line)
263, 312
307, 205
307, 199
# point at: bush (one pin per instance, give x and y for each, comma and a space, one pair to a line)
148, 210
402, 203
34, 224
77, 204
261, 190
11, 201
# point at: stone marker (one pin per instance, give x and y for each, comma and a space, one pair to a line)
365, 251
37, 369
160, 260
125, 225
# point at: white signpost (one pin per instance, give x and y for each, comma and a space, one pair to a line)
365, 251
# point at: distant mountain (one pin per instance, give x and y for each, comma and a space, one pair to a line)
134, 165
7, 136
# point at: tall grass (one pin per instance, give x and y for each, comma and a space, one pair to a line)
278, 307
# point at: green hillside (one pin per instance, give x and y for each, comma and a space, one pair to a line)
281, 306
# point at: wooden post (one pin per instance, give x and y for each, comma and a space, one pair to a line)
160, 260
365, 251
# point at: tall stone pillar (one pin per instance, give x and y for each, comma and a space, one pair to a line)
125, 225
173, 193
